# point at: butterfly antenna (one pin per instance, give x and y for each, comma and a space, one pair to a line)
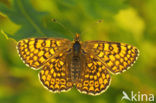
57, 22
94, 24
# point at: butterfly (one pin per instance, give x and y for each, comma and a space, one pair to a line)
85, 65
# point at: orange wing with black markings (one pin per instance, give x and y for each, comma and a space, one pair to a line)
54, 74
36, 51
95, 78
117, 57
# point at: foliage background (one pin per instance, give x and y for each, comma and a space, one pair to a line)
129, 21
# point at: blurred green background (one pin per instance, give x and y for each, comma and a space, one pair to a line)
128, 21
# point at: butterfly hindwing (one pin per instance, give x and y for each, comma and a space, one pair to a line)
54, 74
95, 78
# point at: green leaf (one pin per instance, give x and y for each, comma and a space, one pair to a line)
31, 21
73, 14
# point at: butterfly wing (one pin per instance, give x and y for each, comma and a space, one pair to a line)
36, 51
54, 75
95, 78
117, 57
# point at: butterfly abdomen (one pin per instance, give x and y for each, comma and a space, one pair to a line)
75, 68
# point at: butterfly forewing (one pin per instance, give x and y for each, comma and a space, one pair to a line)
117, 57
95, 78
36, 51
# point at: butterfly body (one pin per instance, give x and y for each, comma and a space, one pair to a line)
87, 65
75, 65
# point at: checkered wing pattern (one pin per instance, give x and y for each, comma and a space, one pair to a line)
117, 57
36, 51
54, 74
95, 78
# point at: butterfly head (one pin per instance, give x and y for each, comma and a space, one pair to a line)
77, 37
